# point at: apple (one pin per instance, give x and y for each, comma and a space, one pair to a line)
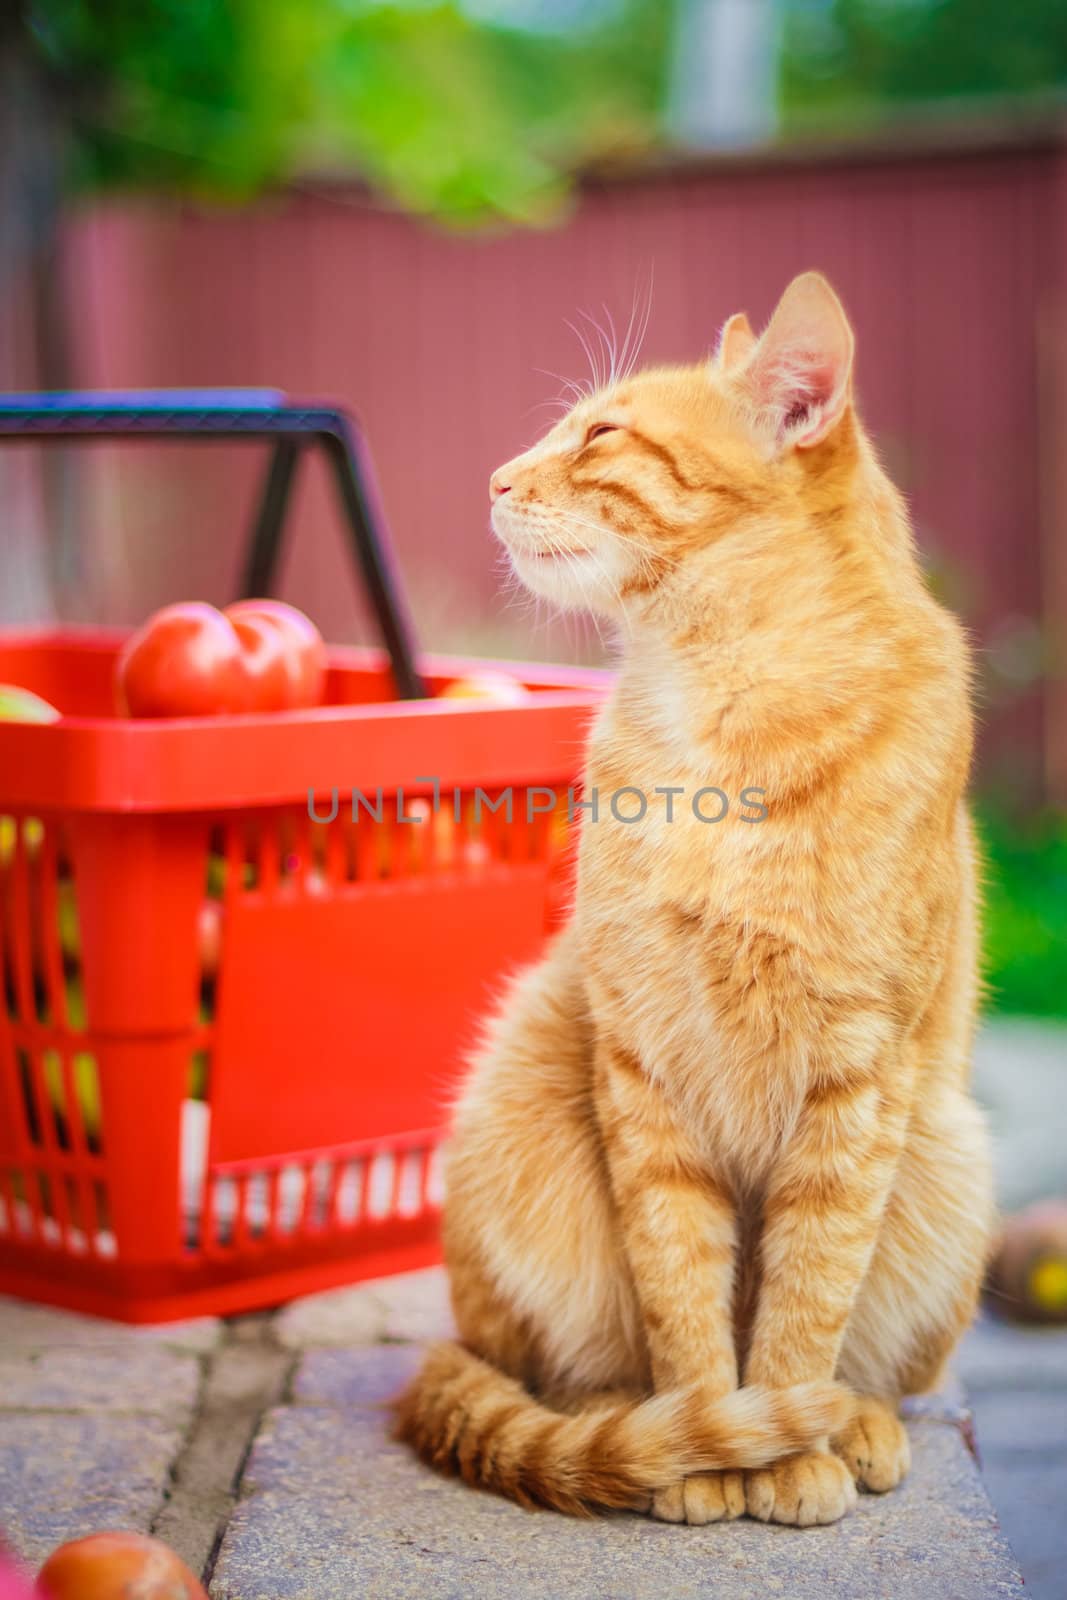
86, 1088
32, 835
22, 705
500, 687
198, 1073
67, 917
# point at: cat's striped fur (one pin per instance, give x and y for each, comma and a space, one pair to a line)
721, 1135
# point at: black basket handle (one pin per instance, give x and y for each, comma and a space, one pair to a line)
258, 414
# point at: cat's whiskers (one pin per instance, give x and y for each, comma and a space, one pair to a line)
527, 602
608, 364
572, 558
614, 588
648, 556
610, 343
561, 406
630, 355
580, 391
594, 362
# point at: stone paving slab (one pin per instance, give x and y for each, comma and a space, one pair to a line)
30, 1327
147, 1378
62, 1476
334, 1510
413, 1305
354, 1377
93, 1415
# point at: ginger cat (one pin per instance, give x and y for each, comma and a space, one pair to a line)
717, 1157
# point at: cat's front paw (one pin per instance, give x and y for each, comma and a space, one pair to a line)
704, 1497
802, 1490
874, 1446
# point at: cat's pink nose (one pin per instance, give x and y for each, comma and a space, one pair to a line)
497, 486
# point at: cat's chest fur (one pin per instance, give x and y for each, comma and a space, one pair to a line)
671, 908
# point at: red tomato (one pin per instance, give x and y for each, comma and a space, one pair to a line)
116, 1566
186, 661
191, 660
265, 660
305, 653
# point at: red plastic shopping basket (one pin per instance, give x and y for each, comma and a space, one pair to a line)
229, 1027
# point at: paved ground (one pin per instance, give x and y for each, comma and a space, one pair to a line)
105, 1426
1016, 1381
257, 1449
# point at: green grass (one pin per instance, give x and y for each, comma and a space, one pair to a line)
1026, 911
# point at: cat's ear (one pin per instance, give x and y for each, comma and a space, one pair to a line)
736, 341
798, 377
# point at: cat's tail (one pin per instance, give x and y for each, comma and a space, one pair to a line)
466, 1418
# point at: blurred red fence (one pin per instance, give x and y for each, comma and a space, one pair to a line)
952, 265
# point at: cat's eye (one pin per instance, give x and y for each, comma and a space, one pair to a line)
600, 428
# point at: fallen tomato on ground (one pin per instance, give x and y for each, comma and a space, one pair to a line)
192, 660
116, 1566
